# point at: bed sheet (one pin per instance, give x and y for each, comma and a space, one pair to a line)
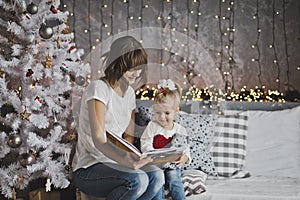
252, 188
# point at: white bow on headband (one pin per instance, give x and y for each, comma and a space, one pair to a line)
163, 84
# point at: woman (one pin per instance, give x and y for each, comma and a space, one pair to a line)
101, 169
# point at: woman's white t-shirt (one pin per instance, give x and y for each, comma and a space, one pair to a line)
117, 118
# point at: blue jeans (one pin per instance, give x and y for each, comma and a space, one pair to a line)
116, 182
174, 183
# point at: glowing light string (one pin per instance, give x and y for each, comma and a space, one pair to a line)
74, 20
220, 67
275, 61
285, 44
231, 42
101, 28
190, 73
198, 18
112, 20
127, 19
89, 24
256, 16
162, 24
171, 36
187, 30
141, 20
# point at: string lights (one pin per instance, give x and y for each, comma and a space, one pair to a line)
213, 94
141, 19
231, 30
284, 2
275, 61
226, 29
256, 45
170, 18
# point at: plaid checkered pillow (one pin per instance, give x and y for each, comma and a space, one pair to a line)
229, 151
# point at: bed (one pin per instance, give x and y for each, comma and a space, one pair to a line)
266, 167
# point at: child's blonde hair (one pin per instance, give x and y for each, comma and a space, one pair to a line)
165, 92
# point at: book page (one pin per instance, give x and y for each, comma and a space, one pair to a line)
122, 143
162, 155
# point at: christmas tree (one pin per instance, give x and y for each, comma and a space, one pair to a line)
41, 74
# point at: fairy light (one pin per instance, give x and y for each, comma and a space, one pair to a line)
231, 42
141, 19
220, 53
89, 30
112, 20
127, 18
188, 41
162, 24
285, 44
257, 42
74, 21
273, 45
225, 54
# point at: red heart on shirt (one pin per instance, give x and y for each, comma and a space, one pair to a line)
160, 141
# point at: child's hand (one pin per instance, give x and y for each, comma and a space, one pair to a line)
183, 159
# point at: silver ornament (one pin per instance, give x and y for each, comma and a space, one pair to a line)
45, 31
14, 140
26, 159
32, 8
80, 80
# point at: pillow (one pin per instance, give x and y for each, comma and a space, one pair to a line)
273, 144
200, 130
143, 115
193, 183
229, 150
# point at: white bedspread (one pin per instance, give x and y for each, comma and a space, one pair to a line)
253, 188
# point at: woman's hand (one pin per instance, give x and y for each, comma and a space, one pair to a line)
132, 161
183, 159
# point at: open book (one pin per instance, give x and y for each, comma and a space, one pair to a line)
162, 155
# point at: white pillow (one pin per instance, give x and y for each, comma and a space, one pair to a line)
273, 143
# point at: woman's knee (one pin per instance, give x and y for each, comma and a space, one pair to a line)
141, 183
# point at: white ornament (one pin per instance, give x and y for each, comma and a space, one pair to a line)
48, 185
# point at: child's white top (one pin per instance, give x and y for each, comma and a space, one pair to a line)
153, 129
117, 118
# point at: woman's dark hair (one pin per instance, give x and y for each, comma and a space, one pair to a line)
125, 53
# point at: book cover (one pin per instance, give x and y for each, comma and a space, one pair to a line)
162, 155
